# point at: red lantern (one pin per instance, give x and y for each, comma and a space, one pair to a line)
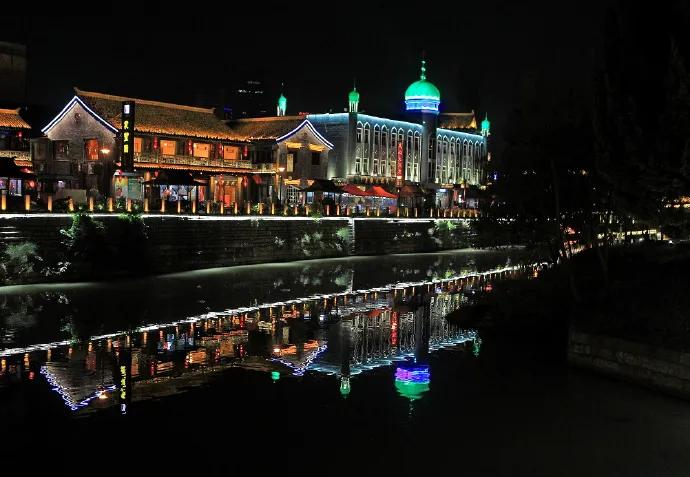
19, 134
245, 151
155, 143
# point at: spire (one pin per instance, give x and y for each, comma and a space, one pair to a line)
486, 125
353, 98
282, 102
422, 76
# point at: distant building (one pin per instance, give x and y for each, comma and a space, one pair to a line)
248, 100
12, 73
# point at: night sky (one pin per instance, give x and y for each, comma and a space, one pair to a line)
481, 55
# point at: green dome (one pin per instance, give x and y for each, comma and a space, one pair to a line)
422, 89
353, 96
422, 95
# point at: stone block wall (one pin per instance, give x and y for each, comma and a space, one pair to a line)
651, 366
177, 243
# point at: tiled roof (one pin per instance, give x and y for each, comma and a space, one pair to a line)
457, 121
155, 117
10, 118
269, 128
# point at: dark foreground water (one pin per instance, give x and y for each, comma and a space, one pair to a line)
342, 366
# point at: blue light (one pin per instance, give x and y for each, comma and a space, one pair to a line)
413, 374
422, 104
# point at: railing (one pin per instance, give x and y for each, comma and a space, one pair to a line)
191, 161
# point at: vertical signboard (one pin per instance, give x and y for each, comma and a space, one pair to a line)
127, 133
399, 166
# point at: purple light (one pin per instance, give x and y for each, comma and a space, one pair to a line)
417, 374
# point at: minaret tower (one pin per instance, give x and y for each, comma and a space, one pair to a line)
422, 100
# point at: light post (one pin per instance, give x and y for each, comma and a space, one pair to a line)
280, 184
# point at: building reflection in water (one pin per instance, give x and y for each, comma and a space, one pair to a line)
341, 334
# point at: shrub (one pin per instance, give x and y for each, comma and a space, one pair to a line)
19, 261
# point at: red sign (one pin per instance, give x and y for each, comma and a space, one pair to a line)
399, 172
394, 329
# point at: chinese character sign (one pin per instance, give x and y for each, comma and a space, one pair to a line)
400, 165
127, 134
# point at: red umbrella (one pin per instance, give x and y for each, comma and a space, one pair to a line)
379, 191
353, 190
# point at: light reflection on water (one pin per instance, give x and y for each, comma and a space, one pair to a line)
339, 317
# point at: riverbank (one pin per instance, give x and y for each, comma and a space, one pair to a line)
48, 247
631, 322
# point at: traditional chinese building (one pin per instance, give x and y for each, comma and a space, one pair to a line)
287, 144
82, 148
14, 136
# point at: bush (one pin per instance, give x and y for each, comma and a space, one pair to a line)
19, 261
86, 241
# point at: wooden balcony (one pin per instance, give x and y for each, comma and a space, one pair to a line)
190, 162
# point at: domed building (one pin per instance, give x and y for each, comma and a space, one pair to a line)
428, 155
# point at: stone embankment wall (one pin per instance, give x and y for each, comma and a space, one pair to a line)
651, 366
176, 243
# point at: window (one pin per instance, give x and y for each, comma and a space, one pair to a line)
359, 132
168, 148
290, 162
91, 149
231, 153
315, 158
138, 143
61, 148
202, 149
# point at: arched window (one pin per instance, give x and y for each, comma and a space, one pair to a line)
384, 150
451, 161
417, 155
376, 147
367, 149
359, 149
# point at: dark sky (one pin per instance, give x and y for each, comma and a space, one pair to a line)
480, 54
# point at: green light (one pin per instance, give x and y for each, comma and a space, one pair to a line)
411, 390
275, 375
354, 96
486, 124
345, 386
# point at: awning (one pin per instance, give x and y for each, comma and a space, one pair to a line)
353, 190
378, 191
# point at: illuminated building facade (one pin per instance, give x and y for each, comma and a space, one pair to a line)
14, 136
289, 145
83, 142
441, 152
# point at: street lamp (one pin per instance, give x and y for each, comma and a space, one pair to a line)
281, 169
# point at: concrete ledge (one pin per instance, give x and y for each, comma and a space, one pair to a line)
651, 366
